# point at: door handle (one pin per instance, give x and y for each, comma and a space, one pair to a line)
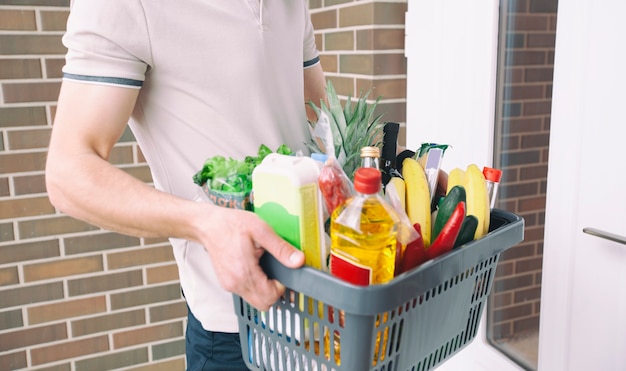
606, 235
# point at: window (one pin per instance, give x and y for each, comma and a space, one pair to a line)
522, 130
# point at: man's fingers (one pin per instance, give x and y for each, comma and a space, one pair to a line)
288, 255
249, 281
262, 298
280, 288
283, 251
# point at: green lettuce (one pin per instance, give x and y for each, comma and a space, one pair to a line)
232, 175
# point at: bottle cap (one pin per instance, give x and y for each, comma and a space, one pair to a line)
370, 152
491, 174
321, 157
367, 180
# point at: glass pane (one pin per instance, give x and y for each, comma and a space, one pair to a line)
525, 69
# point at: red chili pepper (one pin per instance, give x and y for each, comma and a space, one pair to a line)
446, 238
414, 254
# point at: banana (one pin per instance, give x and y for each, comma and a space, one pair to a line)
455, 178
477, 198
417, 196
399, 185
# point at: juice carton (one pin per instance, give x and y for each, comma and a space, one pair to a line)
286, 195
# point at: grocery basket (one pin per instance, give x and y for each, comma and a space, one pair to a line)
414, 322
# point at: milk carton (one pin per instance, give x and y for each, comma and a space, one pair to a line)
286, 195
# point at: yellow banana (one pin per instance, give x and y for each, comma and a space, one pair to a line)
477, 198
456, 177
399, 185
417, 196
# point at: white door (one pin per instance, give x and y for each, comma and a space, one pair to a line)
583, 317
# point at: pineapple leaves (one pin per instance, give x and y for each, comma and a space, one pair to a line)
353, 127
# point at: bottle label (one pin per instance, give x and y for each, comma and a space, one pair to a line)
350, 271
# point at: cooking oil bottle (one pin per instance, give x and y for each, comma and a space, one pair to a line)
363, 239
370, 157
363, 233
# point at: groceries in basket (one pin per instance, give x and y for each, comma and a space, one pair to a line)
297, 195
365, 216
373, 238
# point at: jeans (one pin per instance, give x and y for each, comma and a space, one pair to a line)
207, 350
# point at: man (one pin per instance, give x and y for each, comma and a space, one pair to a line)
193, 79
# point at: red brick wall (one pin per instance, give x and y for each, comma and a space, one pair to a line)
72, 296
361, 47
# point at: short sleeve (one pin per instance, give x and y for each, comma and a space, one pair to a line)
311, 54
107, 41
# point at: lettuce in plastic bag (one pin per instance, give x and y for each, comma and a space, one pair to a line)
231, 175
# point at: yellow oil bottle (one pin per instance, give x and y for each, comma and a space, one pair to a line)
363, 243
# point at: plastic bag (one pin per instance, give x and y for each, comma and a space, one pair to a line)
334, 184
406, 231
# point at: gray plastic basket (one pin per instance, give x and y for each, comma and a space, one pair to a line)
414, 322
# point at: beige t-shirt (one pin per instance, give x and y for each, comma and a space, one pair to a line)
216, 77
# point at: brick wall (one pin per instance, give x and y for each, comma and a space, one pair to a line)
526, 79
72, 296
75, 297
361, 47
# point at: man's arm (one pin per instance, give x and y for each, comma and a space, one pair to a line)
314, 89
82, 183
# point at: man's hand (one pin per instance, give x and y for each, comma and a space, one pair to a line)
235, 240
